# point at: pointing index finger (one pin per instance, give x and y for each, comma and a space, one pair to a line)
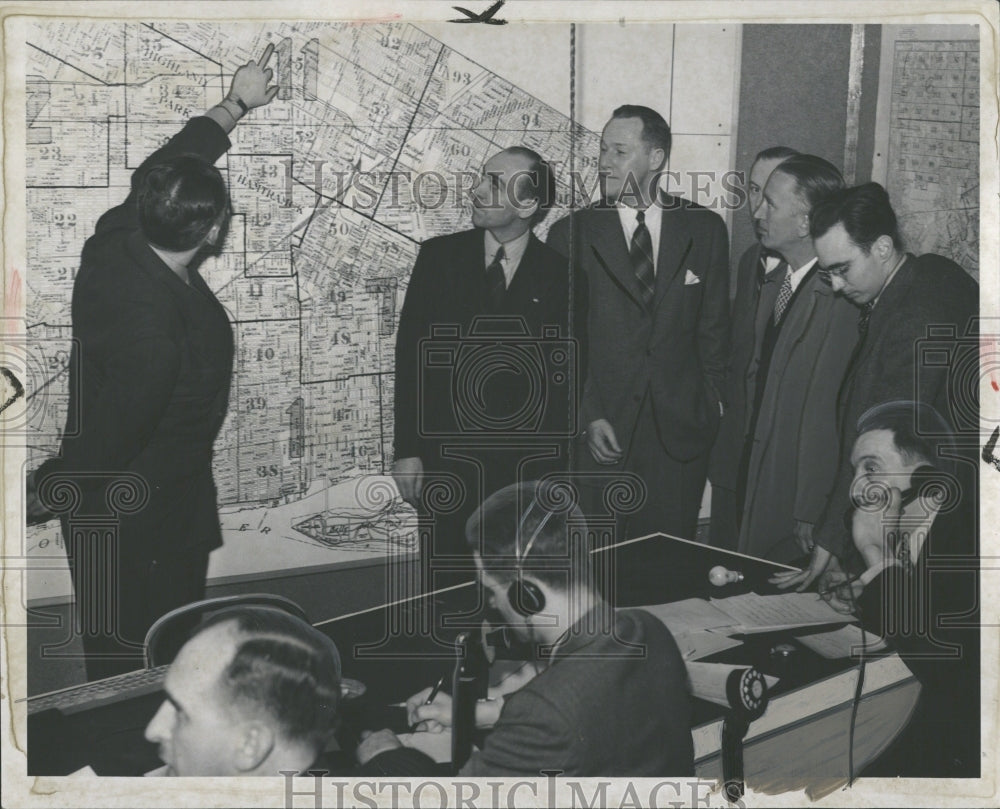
262, 62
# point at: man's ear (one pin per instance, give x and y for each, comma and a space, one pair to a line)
254, 744
526, 210
657, 158
882, 248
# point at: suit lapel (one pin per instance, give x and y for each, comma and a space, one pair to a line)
529, 284
611, 252
675, 244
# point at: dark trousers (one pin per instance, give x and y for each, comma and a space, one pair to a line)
121, 589
674, 492
724, 529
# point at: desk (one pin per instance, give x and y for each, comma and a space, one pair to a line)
397, 650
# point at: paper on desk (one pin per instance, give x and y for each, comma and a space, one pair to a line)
689, 615
756, 613
700, 643
841, 642
83, 772
435, 745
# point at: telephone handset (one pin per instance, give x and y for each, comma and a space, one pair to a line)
918, 480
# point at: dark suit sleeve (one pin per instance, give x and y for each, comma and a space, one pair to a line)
140, 376
530, 730
817, 442
403, 761
414, 324
200, 136
713, 325
579, 331
590, 407
897, 379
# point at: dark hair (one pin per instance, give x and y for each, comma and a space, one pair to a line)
538, 180
775, 153
534, 527
815, 178
179, 201
864, 211
285, 668
655, 131
917, 428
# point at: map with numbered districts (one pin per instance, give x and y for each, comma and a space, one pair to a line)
934, 147
375, 130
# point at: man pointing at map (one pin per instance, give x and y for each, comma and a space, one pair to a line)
153, 357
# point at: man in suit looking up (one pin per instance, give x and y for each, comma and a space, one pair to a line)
807, 343
149, 389
759, 277
900, 296
658, 273
498, 301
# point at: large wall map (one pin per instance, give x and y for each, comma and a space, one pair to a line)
375, 131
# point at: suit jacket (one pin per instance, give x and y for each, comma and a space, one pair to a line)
751, 310
154, 359
512, 377
678, 350
930, 614
789, 476
888, 365
595, 711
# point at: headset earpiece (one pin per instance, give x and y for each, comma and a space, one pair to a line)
525, 597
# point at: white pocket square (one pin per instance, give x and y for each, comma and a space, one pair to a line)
691, 278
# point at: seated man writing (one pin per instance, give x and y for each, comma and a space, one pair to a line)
914, 527
610, 696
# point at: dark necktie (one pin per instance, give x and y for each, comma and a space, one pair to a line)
641, 253
496, 283
864, 317
784, 296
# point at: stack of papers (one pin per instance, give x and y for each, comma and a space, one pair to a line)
702, 628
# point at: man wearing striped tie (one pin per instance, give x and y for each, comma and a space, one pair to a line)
759, 275
658, 272
784, 474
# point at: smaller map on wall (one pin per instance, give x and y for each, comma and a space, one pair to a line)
929, 128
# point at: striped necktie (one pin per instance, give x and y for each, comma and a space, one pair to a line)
641, 254
784, 296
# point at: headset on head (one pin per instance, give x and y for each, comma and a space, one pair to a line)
525, 597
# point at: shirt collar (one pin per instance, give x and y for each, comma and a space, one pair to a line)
513, 250
902, 260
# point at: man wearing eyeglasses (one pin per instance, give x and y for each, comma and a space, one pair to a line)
900, 296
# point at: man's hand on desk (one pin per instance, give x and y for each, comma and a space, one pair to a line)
375, 742
436, 717
801, 579
409, 476
839, 590
433, 718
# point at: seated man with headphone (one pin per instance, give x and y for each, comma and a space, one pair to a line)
914, 528
610, 696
